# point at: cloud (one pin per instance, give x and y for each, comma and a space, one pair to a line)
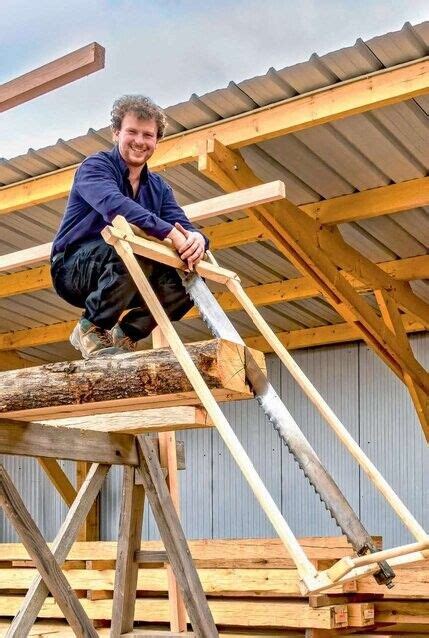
168, 50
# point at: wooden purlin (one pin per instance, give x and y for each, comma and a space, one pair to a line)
297, 237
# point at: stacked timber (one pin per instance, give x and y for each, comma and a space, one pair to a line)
252, 588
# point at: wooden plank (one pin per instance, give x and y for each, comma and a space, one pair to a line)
48, 77
145, 378
59, 478
130, 529
38, 591
140, 421
33, 439
174, 540
44, 560
383, 200
232, 613
191, 371
408, 612
228, 553
25, 281
323, 335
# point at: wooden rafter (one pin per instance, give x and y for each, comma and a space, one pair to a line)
408, 269
318, 253
311, 109
51, 76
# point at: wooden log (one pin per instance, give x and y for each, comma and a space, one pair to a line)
151, 378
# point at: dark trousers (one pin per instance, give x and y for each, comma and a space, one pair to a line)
92, 276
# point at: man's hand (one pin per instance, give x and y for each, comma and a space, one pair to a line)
190, 245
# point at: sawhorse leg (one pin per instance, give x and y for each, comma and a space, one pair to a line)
155, 488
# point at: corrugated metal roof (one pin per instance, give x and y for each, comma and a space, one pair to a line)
360, 152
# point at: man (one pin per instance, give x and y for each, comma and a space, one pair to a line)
86, 271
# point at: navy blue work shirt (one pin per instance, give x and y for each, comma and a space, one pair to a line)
101, 190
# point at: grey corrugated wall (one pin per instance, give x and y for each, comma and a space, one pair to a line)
216, 501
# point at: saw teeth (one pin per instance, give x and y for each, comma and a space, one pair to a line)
273, 423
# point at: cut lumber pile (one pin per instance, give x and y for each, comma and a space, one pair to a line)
140, 380
251, 585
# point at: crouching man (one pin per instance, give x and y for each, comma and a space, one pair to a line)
86, 271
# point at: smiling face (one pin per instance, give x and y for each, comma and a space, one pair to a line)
136, 140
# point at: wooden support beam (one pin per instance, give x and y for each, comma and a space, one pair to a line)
90, 530
174, 540
51, 76
168, 459
10, 360
60, 548
33, 439
357, 95
392, 318
297, 237
25, 281
59, 478
323, 336
141, 421
44, 560
358, 266
130, 531
148, 378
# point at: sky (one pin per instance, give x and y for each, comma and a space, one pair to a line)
168, 50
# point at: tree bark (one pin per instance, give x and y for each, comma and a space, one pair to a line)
151, 377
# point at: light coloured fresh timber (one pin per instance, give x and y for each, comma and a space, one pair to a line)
33, 439
257, 613
361, 614
48, 77
125, 251
26, 257
147, 378
157, 252
297, 237
216, 582
323, 335
392, 318
402, 612
10, 360
411, 581
25, 281
227, 553
231, 202
340, 430
317, 107
140, 421
383, 200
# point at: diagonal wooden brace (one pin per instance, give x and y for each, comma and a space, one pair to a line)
61, 546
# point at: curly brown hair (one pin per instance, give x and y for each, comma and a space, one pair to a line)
143, 107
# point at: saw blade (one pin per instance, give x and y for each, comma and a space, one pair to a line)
291, 435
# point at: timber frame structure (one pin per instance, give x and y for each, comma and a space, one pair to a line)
136, 451
306, 236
